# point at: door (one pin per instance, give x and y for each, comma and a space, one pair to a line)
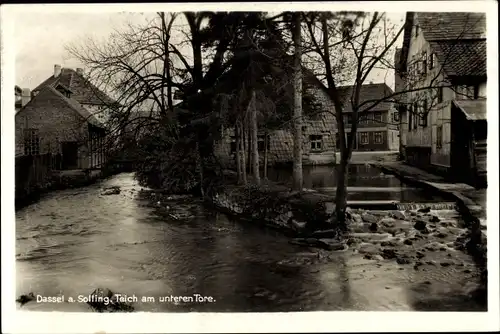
69, 155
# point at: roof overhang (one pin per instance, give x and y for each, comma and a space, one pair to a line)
473, 110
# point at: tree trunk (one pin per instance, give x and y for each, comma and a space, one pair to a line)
297, 99
248, 140
265, 154
255, 143
243, 153
200, 168
238, 153
341, 193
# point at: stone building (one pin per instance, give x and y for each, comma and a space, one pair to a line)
65, 116
443, 128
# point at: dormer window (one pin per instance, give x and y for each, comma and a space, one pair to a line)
63, 90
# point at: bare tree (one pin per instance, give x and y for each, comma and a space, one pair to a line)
297, 101
364, 42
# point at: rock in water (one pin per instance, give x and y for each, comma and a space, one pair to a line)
23, 299
102, 300
369, 218
324, 234
398, 215
111, 191
420, 225
424, 210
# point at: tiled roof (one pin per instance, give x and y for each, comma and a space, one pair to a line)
458, 40
473, 110
368, 93
83, 91
452, 25
461, 58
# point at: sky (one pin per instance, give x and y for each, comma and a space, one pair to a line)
41, 38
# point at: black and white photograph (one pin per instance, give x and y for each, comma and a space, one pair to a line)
250, 159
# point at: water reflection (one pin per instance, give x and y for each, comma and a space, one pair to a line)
326, 176
364, 182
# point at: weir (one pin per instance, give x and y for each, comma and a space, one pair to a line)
432, 206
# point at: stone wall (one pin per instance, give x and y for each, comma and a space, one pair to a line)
295, 214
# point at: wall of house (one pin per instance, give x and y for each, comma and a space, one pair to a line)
281, 140
56, 122
387, 129
439, 116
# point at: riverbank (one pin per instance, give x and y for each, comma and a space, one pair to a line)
59, 180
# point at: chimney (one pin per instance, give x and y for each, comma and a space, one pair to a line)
79, 71
57, 70
26, 96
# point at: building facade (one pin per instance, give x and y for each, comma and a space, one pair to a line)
378, 128
61, 119
318, 133
443, 65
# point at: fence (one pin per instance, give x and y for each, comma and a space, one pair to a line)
34, 172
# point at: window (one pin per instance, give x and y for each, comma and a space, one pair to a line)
424, 62
304, 128
476, 92
432, 61
348, 119
439, 136
416, 112
377, 137
261, 143
395, 116
31, 142
363, 137
377, 117
439, 94
425, 105
422, 119
316, 142
363, 119
410, 118
233, 144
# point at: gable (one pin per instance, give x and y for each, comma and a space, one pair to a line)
50, 97
82, 90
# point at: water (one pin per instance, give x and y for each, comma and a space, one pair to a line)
75, 240
365, 183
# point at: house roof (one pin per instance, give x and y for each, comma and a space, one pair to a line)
445, 26
474, 110
457, 38
83, 91
461, 58
49, 93
370, 92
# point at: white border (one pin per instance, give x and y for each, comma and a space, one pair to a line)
32, 322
